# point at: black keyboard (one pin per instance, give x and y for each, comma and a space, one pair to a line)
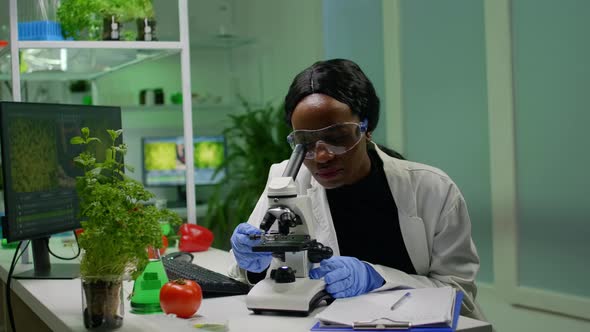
212, 284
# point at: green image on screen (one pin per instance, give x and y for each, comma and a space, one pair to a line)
164, 160
209, 154
160, 156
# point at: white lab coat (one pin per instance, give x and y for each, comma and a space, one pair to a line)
434, 224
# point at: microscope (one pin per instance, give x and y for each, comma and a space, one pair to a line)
289, 290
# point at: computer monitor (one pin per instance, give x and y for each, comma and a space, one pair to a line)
39, 174
164, 163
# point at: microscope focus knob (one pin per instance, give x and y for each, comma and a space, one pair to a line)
317, 252
283, 275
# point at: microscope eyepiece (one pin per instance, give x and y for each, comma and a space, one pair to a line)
295, 161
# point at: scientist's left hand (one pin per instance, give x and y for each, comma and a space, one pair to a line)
347, 276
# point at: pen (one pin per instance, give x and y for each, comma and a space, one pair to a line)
400, 301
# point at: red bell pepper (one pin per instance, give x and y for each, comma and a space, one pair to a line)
194, 238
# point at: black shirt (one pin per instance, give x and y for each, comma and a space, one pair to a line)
366, 220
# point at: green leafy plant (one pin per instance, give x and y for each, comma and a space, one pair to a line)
132, 9
84, 18
256, 139
118, 227
80, 19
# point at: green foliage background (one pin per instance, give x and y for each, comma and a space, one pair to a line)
256, 139
82, 19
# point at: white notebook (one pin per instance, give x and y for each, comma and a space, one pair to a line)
421, 307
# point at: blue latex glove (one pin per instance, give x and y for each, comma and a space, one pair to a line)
242, 249
347, 276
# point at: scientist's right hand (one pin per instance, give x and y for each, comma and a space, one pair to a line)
242, 248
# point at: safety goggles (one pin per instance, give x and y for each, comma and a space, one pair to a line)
335, 139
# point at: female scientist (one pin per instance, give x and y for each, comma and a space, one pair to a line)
390, 222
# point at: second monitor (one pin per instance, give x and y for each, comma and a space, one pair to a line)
164, 162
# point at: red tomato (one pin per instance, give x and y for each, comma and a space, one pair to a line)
181, 297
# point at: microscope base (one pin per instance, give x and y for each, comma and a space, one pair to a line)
296, 298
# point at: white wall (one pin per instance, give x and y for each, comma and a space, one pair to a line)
533, 56
287, 38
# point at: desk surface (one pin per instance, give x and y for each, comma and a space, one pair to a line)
58, 303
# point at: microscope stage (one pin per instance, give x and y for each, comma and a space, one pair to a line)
296, 298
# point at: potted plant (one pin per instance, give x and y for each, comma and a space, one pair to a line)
127, 11
256, 139
85, 19
117, 227
80, 19
143, 13
115, 13
91, 19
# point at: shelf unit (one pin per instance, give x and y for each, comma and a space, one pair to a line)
89, 60
75, 63
158, 48
167, 117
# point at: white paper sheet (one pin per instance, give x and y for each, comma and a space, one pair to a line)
424, 306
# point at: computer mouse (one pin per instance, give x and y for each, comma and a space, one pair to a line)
180, 255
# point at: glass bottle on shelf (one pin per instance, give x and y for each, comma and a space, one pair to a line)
111, 28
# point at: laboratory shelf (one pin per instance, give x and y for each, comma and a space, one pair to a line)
89, 60
221, 41
171, 117
44, 61
110, 44
178, 108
